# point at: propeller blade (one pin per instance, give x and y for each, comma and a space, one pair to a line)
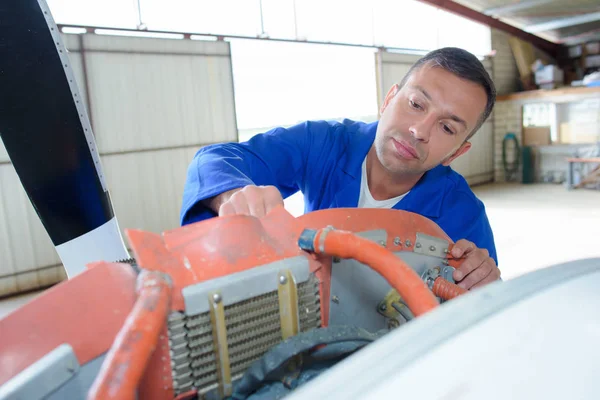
46, 131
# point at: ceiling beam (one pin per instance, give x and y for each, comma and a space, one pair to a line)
453, 7
511, 8
564, 22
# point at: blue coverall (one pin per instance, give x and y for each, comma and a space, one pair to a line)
323, 159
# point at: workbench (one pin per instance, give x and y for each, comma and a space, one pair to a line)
593, 176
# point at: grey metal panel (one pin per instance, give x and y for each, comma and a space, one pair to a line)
514, 338
243, 285
356, 290
43, 377
108, 43
24, 244
146, 187
159, 93
79, 386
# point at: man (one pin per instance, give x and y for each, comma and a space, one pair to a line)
402, 161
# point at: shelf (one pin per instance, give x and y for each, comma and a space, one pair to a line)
561, 94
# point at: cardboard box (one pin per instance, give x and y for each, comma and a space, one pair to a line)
536, 136
549, 74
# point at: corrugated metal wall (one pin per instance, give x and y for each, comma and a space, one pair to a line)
153, 103
477, 165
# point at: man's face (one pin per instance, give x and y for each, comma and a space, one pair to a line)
427, 122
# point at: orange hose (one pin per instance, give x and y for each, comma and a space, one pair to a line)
446, 290
126, 361
399, 275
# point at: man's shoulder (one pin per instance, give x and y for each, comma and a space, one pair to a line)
459, 193
345, 127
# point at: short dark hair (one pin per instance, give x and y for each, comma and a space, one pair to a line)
464, 65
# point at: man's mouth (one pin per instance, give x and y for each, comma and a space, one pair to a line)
405, 150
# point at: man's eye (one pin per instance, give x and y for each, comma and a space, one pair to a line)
415, 105
448, 129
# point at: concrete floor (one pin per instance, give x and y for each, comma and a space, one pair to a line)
535, 226
539, 225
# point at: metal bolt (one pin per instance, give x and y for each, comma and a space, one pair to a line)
445, 251
383, 307
217, 298
418, 245
445, 262
335, 299
408, 243
432, 248
437, 270
397, 241
382, 242
282, 279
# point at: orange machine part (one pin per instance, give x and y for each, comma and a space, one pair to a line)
85, 312
446, 290
157, 382
126, 361
226, 245
399, 275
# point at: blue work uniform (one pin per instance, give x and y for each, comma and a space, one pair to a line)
323, 159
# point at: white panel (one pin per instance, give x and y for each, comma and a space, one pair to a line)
154, 45
153, 101
24, 243
477, 165
391, 68
147, 187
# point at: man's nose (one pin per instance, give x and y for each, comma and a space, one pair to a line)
421, 129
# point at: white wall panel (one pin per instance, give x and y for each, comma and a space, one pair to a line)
156, 99
27, 256
146, 188
477, 164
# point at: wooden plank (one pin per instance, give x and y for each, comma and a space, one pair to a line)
548, 94
584, 160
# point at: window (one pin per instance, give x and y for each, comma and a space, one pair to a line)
279, 83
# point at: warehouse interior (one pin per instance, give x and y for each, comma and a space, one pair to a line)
160, 80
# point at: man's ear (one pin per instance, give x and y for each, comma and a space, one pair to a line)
459, 152
390, 95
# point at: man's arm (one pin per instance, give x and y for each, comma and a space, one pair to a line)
271, 166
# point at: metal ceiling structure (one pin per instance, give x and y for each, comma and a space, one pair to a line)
559, 21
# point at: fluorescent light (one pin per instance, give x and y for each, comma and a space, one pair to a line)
204, 37
139, 34
74, 31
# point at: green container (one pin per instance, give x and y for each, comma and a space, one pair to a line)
528, 167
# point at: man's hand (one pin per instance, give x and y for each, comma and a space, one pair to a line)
251, 200
477, 269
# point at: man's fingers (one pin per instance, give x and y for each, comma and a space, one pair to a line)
240, 203
492, 277
226, 209
479, 274
468, 266
462, 247
272, 198
255, 201
252, 200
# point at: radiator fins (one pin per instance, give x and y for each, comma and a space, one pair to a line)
253, 327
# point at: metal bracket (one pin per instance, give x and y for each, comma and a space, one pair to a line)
219, 330
431, 246
288, 304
